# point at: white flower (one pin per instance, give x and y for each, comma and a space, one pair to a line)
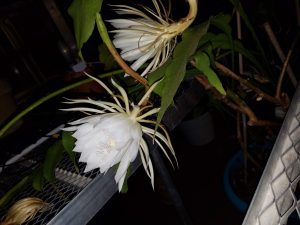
148, 36
112, 134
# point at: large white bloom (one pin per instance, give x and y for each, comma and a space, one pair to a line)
150, 35
112, 133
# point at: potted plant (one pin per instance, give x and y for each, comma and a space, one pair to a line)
155, 63
256, 136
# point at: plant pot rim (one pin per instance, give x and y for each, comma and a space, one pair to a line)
233, 164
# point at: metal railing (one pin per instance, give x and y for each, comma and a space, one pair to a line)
277, 200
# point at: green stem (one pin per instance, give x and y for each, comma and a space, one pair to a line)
127, 69
51, 95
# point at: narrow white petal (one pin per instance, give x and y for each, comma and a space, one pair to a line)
162, 138
106, 165
105, 87
93, 102
84, 109
69, 128
144, 162
145, 149
123, 166
147, 94
138, 63
160, 126
163, 150
123, 23
121, 182
87, 119
151, 173
149, 113
92, 163
132, 54
124, 95
135, 42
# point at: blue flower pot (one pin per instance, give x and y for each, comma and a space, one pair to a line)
235, 163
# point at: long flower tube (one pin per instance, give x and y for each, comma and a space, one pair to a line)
112, 133
149, 34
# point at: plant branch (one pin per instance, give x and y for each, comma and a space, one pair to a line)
127, 69
279, 51
244, 108
207, 86
239, 106
242, 143
239, 36
234, 76
48, 97
285, 66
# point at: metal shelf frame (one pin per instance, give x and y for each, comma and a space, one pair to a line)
75, 198
276, 197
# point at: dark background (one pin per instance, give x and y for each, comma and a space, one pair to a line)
38, 54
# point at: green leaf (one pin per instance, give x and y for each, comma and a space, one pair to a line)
125, 184
203, 64
83, 13
106, 58
206, 40
191, 73
158, 73
53, 156
222, 21
14, 191
239, 47
38, 179
175, 71
68, 142
221, 41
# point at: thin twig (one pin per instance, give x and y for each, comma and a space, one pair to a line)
239, 36
242, 143
241, 107
285, 66
207, 86
279, 51
236, 77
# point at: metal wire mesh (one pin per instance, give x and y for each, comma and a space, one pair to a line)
277, 198
67, 185
76, 198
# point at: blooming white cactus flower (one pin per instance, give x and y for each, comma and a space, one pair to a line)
150, 35
113, 133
